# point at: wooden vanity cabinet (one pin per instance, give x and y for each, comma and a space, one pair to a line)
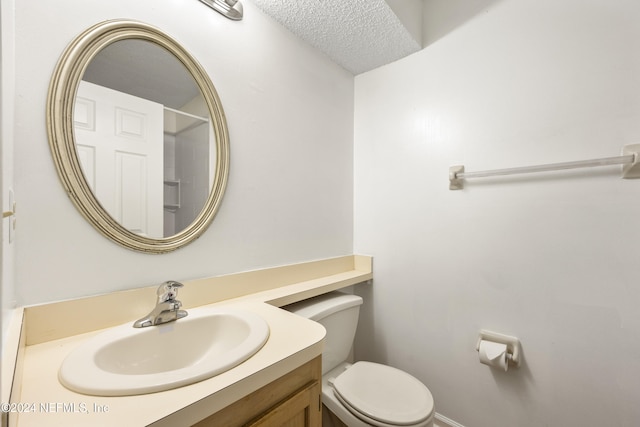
293, 400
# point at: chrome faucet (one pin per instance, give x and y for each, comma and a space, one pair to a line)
167, 308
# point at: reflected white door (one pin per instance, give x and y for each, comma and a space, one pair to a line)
119, 139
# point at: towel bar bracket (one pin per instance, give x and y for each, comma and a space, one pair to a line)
456, 183
631, 170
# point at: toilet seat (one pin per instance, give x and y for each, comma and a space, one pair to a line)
383, 396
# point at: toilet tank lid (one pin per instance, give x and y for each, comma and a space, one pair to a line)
319, 307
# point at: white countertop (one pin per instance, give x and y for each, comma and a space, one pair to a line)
51, 331
293, 341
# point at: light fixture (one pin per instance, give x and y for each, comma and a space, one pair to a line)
232, 9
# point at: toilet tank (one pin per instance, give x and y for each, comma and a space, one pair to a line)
338, 313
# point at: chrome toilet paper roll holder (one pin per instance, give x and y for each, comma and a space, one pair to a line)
512, 343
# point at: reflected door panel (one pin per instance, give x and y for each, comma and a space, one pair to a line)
121, 153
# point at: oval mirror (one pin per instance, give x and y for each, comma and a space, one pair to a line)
138, 136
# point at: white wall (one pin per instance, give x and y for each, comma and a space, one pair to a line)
551, 259
290, 116
7, 96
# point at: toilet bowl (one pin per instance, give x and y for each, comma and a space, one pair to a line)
362, 394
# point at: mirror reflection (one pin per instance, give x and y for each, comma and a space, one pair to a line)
144, 138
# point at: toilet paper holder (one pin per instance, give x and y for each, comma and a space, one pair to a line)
512, 343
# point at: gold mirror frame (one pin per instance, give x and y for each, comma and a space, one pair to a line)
60, 129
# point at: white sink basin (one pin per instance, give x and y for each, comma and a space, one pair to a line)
127, 361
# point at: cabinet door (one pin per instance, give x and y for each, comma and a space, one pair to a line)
292, 400
300, 410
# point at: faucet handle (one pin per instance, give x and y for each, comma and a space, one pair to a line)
168, 291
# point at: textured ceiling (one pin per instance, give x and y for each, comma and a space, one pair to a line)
360, 35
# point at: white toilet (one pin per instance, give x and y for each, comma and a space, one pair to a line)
362, 394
